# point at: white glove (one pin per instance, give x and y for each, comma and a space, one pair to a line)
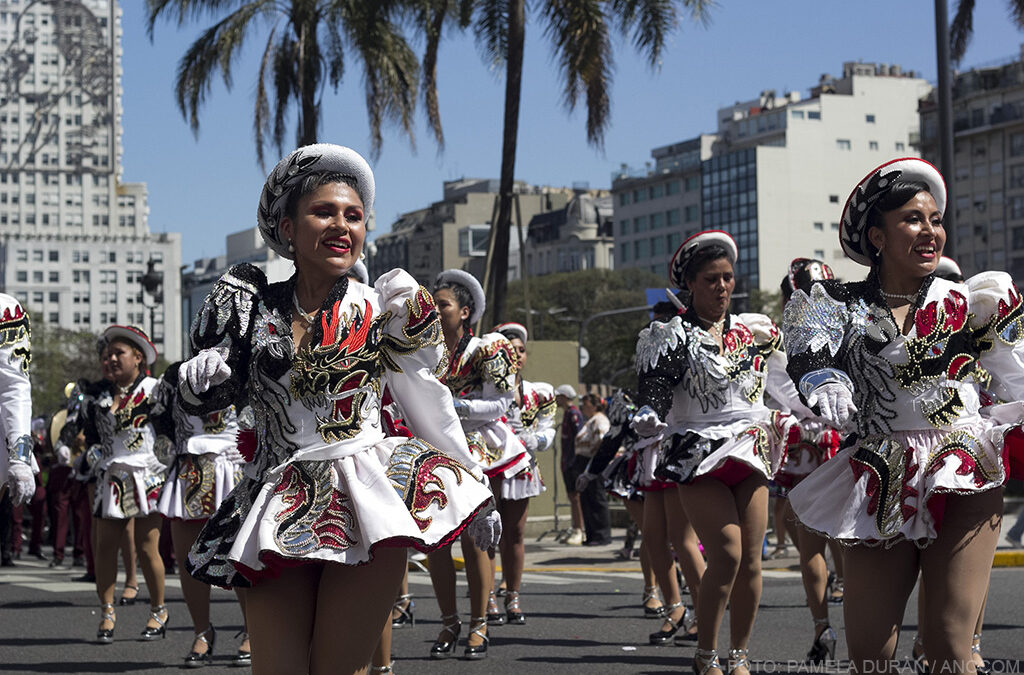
486, 529
63, 453
22, 482
461, 408
529, 442
584, 480
204, 370
646, 423
834, 402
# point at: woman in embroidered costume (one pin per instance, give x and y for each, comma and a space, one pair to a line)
895, 356
120, 419
17, 463
318, 526
532, 417
704, 374
205, 466
811, 442
481, 375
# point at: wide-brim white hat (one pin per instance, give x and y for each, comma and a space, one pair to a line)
853, 235
565, 390
511, 329
289, 174
136, 336
689, 248
947, 267
469, 282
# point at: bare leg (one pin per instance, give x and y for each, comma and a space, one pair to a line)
880, 581
129, 558
635, 509
147, 541
955, 567
751, 497
656, 535
480, 578
197, 594
243, 646
779, 519
442, 577
979, 661
685, 542
513, 552
353, 602
837, 560
107, 533
382, 653
814, 573
279, 613
404, 599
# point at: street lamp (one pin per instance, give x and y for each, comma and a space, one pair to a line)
152, 283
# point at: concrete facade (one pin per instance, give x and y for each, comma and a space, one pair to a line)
74, 237
576, 237
987, 191
776, 173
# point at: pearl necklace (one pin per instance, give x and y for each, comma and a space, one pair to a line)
909, 297
306, 317
716, 326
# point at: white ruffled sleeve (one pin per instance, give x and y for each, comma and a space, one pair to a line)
997, 315
413, 356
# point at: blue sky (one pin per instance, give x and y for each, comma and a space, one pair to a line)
208, 186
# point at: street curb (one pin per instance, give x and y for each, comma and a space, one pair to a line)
1009, 559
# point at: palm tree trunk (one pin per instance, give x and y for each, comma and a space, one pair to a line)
513, 89
308, 117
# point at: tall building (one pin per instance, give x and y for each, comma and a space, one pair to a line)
987, 194
575, 237
775, 174
74, 238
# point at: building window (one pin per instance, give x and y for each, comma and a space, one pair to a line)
54, 318
798, 114
672, 216
640, 224
37, 256
872, 145
624, 199
835, 226
639, 196
692, 183
870, 119
473, 241
900, 147
843, 143
814, 114
1016, 208
691, 213
1016, 178
54, 256
658, 245
624, 252
672, 187
22, 255
819, 253
657, 191
623, 227
820, 227
54, 297
21, 276
37, 298
54, 277
657, 221
37, 276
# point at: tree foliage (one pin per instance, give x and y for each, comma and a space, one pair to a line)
59, 356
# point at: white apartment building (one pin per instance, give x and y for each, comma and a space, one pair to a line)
775, 175
74, 238
576, 237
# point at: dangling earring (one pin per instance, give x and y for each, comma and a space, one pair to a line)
362, 255
291, 247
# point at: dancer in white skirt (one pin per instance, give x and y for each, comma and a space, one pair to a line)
319, 524
704, 374
532, 417
481, 375
205, 466
120, 423
17, 463
894, 357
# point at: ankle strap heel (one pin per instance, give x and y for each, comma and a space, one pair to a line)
160, 631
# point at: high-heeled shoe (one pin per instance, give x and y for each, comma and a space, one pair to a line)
705, 660
196, 659
918, 659
381, 669
106, 635
512, 612
473, 652
125, 600
738, 658
663, 636
982, 669
824, 648
244, 656
405, 612
835, 590
689, 621
159, 631
442, 649
651, 593
494, 616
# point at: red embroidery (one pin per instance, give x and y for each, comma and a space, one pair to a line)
926, 319
247, 443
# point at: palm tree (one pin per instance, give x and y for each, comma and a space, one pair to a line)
307, 43
580, 34
962, 28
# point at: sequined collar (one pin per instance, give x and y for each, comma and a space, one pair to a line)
873, 295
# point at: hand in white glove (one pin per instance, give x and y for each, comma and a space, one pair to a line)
584, 481
529, 442
63, 453
486, 529
834, 402
646, 423
204, 370
22, 482
461, 408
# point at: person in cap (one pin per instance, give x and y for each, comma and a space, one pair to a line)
703, 376
120, 418
205, 465
532, 417
892, 362
318, 526
481, 377
811, 442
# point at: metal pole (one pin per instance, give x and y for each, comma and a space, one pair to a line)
945, 120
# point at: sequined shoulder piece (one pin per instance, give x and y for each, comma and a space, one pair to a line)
230, 303
817, 321
621, 408
658, 340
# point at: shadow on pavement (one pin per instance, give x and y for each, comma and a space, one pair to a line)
57, 667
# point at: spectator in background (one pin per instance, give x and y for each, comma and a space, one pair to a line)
572, 466
593, 500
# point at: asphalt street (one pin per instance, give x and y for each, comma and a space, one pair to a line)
582, 607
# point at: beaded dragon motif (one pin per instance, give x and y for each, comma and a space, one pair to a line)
15, 329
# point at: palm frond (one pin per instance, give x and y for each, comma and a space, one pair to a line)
335, 54
960, 29
286, 84
214, 49
433, 25
491, 28
650, 22
579, 33
1016, 8
185, 10
261, 114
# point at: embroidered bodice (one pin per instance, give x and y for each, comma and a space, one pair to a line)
534, 420
690, 384
125, 432
482, 373
845, 332
15, 357
324, 400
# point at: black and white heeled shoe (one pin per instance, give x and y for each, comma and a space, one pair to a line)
196, 659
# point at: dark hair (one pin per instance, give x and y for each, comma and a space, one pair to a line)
701, 258
787, 289
664, 310
462, 296
313, 182
594, 400
900, 192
